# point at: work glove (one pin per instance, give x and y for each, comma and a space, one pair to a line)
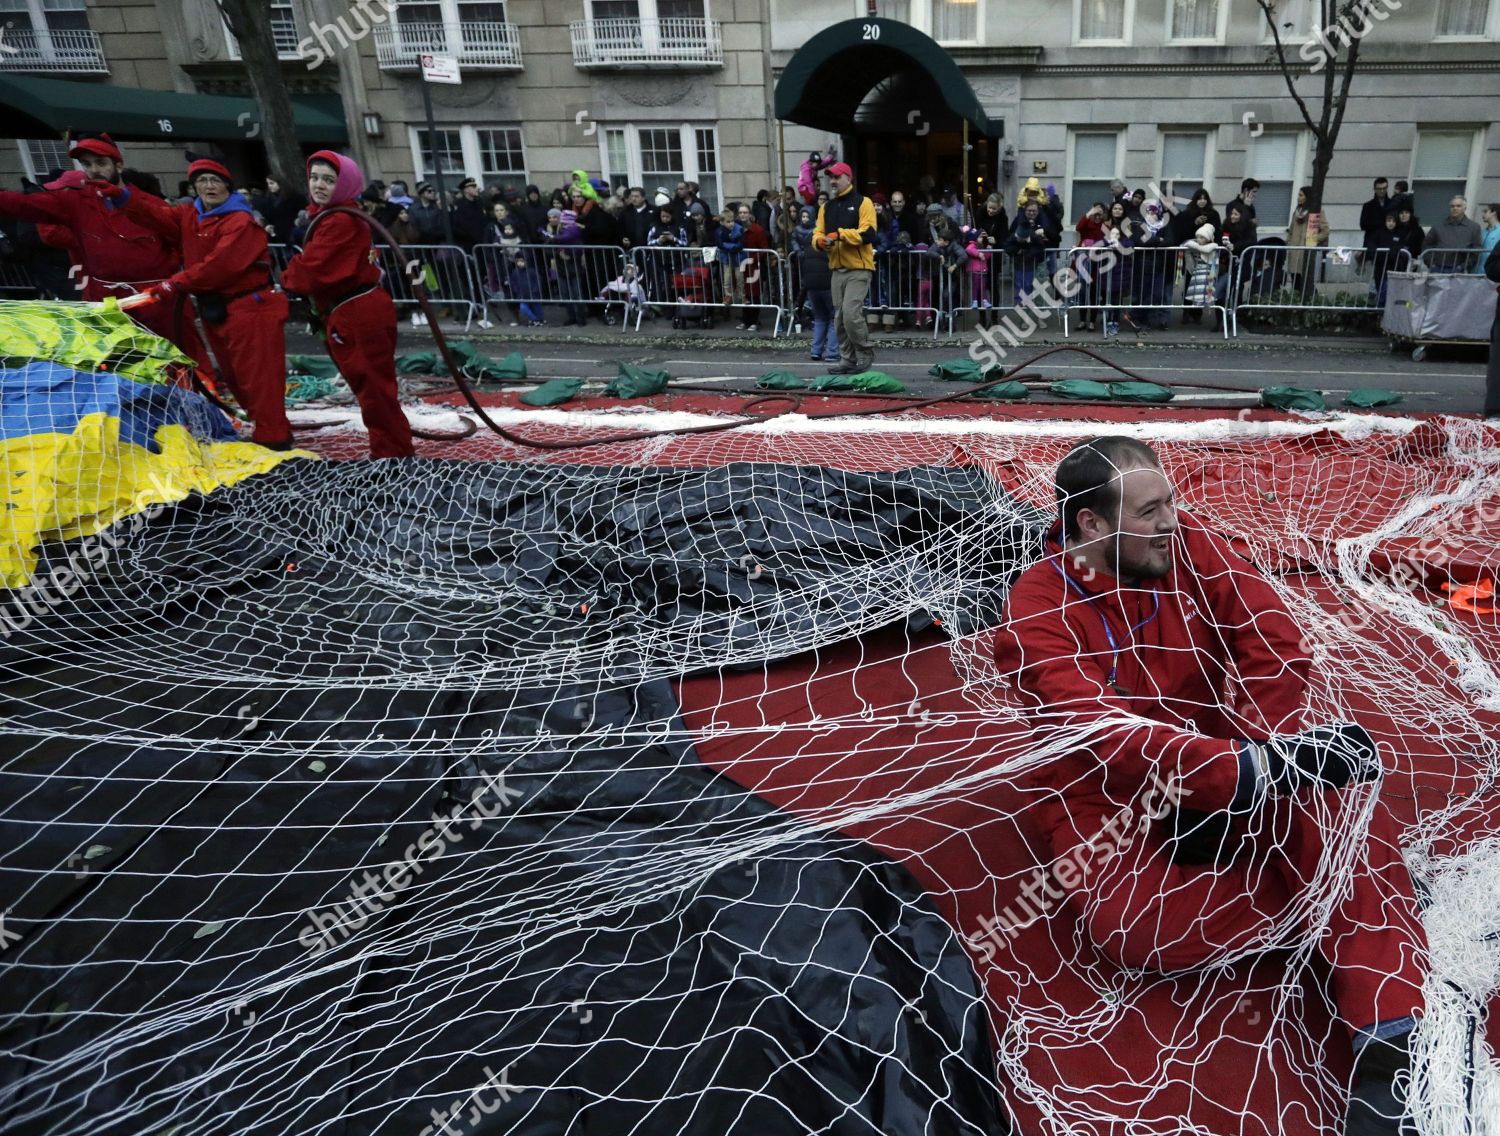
1324, 757
820, 242
162, 293
107, 189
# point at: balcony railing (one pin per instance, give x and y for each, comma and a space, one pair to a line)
74, 52
647, 43
481, 45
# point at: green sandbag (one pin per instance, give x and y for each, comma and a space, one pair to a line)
960, 371
422, 363
871, 382
636, 382
1367, 398
1083, 389
1140, 392
552, 392
478, 366
318, 366
1291, 398
1006, 391
780, 381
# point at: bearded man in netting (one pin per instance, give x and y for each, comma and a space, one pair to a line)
1158, 655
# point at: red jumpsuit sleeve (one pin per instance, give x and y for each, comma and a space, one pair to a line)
239, 244
333, 254
1269, 651
1063, 681
163, 219
50, 206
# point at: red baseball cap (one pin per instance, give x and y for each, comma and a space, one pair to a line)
209, 166
840, 168
101, 144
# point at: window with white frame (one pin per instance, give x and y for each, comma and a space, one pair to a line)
1441, 169
44, 15
1184, 164
1273, 161
1096, 163
493, 155
648, 9
40, 156
283, 31
502, 157
661, 155
449, 11
1464, 19
886, 10
955, 21
1197, 21
1103, 21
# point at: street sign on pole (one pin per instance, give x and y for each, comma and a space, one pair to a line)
440, 69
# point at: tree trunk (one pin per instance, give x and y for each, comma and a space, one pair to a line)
250, 21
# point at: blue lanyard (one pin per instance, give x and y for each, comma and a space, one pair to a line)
1114, 647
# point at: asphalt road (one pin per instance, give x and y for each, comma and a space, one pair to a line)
1449, 380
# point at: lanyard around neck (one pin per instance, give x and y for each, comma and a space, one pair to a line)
1114, 647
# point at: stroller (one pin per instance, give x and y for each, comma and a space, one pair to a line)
691, 287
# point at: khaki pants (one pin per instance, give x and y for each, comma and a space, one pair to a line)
850, 287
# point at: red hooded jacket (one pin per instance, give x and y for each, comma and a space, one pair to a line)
339, 258
223, 250
115, 247
1202, 657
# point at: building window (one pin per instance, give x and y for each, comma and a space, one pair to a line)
1440, 171
1273, 163
1184, 164
501, 155
648, 9
955, 21
450, 11
1096, 163
40, 156
886, 9
658, 157
44, 15
1463, 19
1197, 21
283, 32
449, 157
1106, 22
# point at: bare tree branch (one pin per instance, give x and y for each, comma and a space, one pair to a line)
1268, 7
250, 22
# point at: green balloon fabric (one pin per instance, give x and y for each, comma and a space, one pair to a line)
959, 371
318, 366
421, 363
1367, 398
1140, 392
1083, 389
1291, 398
780, 381
636, 382
1005, 392
552, 392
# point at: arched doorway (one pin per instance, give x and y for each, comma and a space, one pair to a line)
901, 105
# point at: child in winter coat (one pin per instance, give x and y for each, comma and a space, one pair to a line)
1202, 266
807, 176
525, 289
979, 253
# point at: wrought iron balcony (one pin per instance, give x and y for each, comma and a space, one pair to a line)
647, 43
481, 45
72, 52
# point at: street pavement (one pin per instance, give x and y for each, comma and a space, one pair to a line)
1449, 380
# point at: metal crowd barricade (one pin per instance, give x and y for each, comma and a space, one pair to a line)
1468, 262
1281, 277
450, 280
903, 286
1146, 285
703, 285
533, 280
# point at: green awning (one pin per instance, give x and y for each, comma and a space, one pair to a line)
40, 108
832, 73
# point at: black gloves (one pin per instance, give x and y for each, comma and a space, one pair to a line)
867, 236
1327, 757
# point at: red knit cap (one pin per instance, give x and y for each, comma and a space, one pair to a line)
102, 144
209, 166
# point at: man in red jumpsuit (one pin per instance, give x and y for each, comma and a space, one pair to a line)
227, 269
337, 269
121, 256
1123, 641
